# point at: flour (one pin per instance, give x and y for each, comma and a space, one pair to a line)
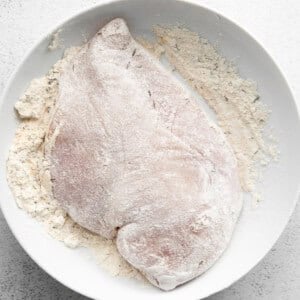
55, 42
235, 101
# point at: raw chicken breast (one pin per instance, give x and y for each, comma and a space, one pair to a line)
136, 159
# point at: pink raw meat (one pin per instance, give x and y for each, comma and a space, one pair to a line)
136, 159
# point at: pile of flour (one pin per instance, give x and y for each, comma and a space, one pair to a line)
235, 101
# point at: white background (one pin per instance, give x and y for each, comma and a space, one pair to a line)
275, 24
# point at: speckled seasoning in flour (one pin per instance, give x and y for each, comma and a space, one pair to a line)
235, 101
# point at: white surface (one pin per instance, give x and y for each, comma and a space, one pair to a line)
53, 13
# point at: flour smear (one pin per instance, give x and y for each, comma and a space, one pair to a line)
235, 101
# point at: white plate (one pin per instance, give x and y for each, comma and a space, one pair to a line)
257, 230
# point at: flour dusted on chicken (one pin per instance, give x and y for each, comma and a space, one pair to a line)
236, 102
29, 178
136, 159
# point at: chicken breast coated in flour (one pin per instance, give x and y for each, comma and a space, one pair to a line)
136, 159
